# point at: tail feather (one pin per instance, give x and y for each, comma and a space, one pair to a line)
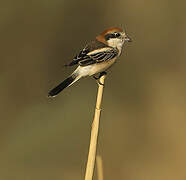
67, 82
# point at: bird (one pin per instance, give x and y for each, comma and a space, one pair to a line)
95, 58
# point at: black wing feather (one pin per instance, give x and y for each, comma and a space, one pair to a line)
83, 59
99, 57
82, 55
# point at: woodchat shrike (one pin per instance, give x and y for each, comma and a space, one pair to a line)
96, 57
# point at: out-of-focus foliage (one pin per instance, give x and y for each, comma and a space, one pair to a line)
143, 124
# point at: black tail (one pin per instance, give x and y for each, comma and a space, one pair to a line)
61, 86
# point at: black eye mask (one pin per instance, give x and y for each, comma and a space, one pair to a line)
114, 35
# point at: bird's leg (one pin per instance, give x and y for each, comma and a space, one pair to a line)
102, 73
98, 78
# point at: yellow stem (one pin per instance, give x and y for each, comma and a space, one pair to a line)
94, 132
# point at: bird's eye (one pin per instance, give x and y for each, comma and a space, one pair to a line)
117, 34
112, 35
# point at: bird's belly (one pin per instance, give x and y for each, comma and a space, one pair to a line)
100, 67
92, 69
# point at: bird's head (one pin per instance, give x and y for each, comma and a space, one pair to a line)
114, 37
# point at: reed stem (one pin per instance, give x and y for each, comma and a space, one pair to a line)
94, 132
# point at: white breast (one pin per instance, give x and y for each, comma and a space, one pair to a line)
94, 68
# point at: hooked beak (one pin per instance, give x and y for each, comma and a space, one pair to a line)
128, 39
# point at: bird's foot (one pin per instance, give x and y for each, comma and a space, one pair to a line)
98, 78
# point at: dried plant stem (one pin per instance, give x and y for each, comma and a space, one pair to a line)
99, 164
94, 132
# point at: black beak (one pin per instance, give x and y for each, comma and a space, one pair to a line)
128, 39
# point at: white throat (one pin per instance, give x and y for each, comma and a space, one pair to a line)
116, 43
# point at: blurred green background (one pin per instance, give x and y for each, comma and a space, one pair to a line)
143, 123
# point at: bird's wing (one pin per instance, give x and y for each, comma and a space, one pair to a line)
98, 56
82, 55
94, 52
